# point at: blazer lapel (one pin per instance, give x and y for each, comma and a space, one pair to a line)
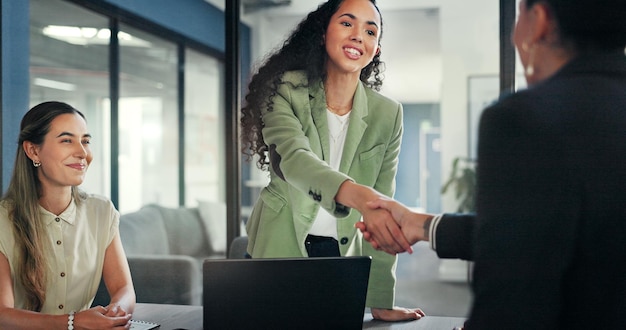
356, 128
317, 101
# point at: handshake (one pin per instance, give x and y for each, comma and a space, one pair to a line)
392, 227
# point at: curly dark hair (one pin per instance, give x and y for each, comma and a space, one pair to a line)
302, 50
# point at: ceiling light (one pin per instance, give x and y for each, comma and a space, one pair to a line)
54, 84
91, 36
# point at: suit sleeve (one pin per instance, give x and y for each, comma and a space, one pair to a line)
453, 236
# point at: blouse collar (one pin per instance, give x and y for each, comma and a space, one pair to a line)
68, 215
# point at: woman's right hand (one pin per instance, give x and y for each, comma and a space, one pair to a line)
114, 310
385, 231
413, 225
97, 318
381, 226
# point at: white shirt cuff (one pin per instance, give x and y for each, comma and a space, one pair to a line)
432, 231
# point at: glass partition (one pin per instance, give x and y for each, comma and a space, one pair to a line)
205, 173
69, 62
148, 120
204, 129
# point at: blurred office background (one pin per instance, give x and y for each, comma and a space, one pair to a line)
150, 77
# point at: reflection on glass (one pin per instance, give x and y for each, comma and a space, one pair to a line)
205, 172
204, 129
69, 62
148, 122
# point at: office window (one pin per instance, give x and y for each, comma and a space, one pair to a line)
148, 121
205, 172
69, 58
70, 61
204, 129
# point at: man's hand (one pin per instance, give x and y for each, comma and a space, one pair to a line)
414, 226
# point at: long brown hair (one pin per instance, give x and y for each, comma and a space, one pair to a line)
22, 202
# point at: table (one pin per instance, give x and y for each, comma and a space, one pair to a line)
425, 323
172, 317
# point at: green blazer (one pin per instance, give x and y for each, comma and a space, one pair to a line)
301, 181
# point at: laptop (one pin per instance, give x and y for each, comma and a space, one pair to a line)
289, 293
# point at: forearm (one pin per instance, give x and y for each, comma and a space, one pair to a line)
124, 298
12, 318
426, 226
416, 226
356, 196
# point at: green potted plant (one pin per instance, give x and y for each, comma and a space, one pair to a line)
463, 180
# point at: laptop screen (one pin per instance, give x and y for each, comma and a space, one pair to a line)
288, 293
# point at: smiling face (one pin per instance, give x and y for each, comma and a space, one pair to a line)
64, 154
352, 37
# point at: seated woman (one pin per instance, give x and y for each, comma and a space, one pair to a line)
56, 241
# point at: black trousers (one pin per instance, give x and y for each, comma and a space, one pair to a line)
318, 246
322, 246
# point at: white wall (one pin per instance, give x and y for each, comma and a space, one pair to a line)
470, 46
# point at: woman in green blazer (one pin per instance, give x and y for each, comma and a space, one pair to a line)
330, 143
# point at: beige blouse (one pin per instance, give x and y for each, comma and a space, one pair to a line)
78, 239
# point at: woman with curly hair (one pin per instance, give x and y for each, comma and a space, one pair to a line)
314, 120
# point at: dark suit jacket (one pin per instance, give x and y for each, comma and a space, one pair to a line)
550, 237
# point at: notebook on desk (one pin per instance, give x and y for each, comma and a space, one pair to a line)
292, 293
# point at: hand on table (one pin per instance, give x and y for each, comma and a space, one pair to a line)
114, 310
97, 318
397, 314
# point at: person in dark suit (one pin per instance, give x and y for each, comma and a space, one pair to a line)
548, 235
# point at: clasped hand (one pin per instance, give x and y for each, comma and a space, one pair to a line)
110, 317
391, 226
380, 228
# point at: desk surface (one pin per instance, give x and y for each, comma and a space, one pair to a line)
172, 317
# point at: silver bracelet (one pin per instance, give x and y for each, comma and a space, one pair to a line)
70, 320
